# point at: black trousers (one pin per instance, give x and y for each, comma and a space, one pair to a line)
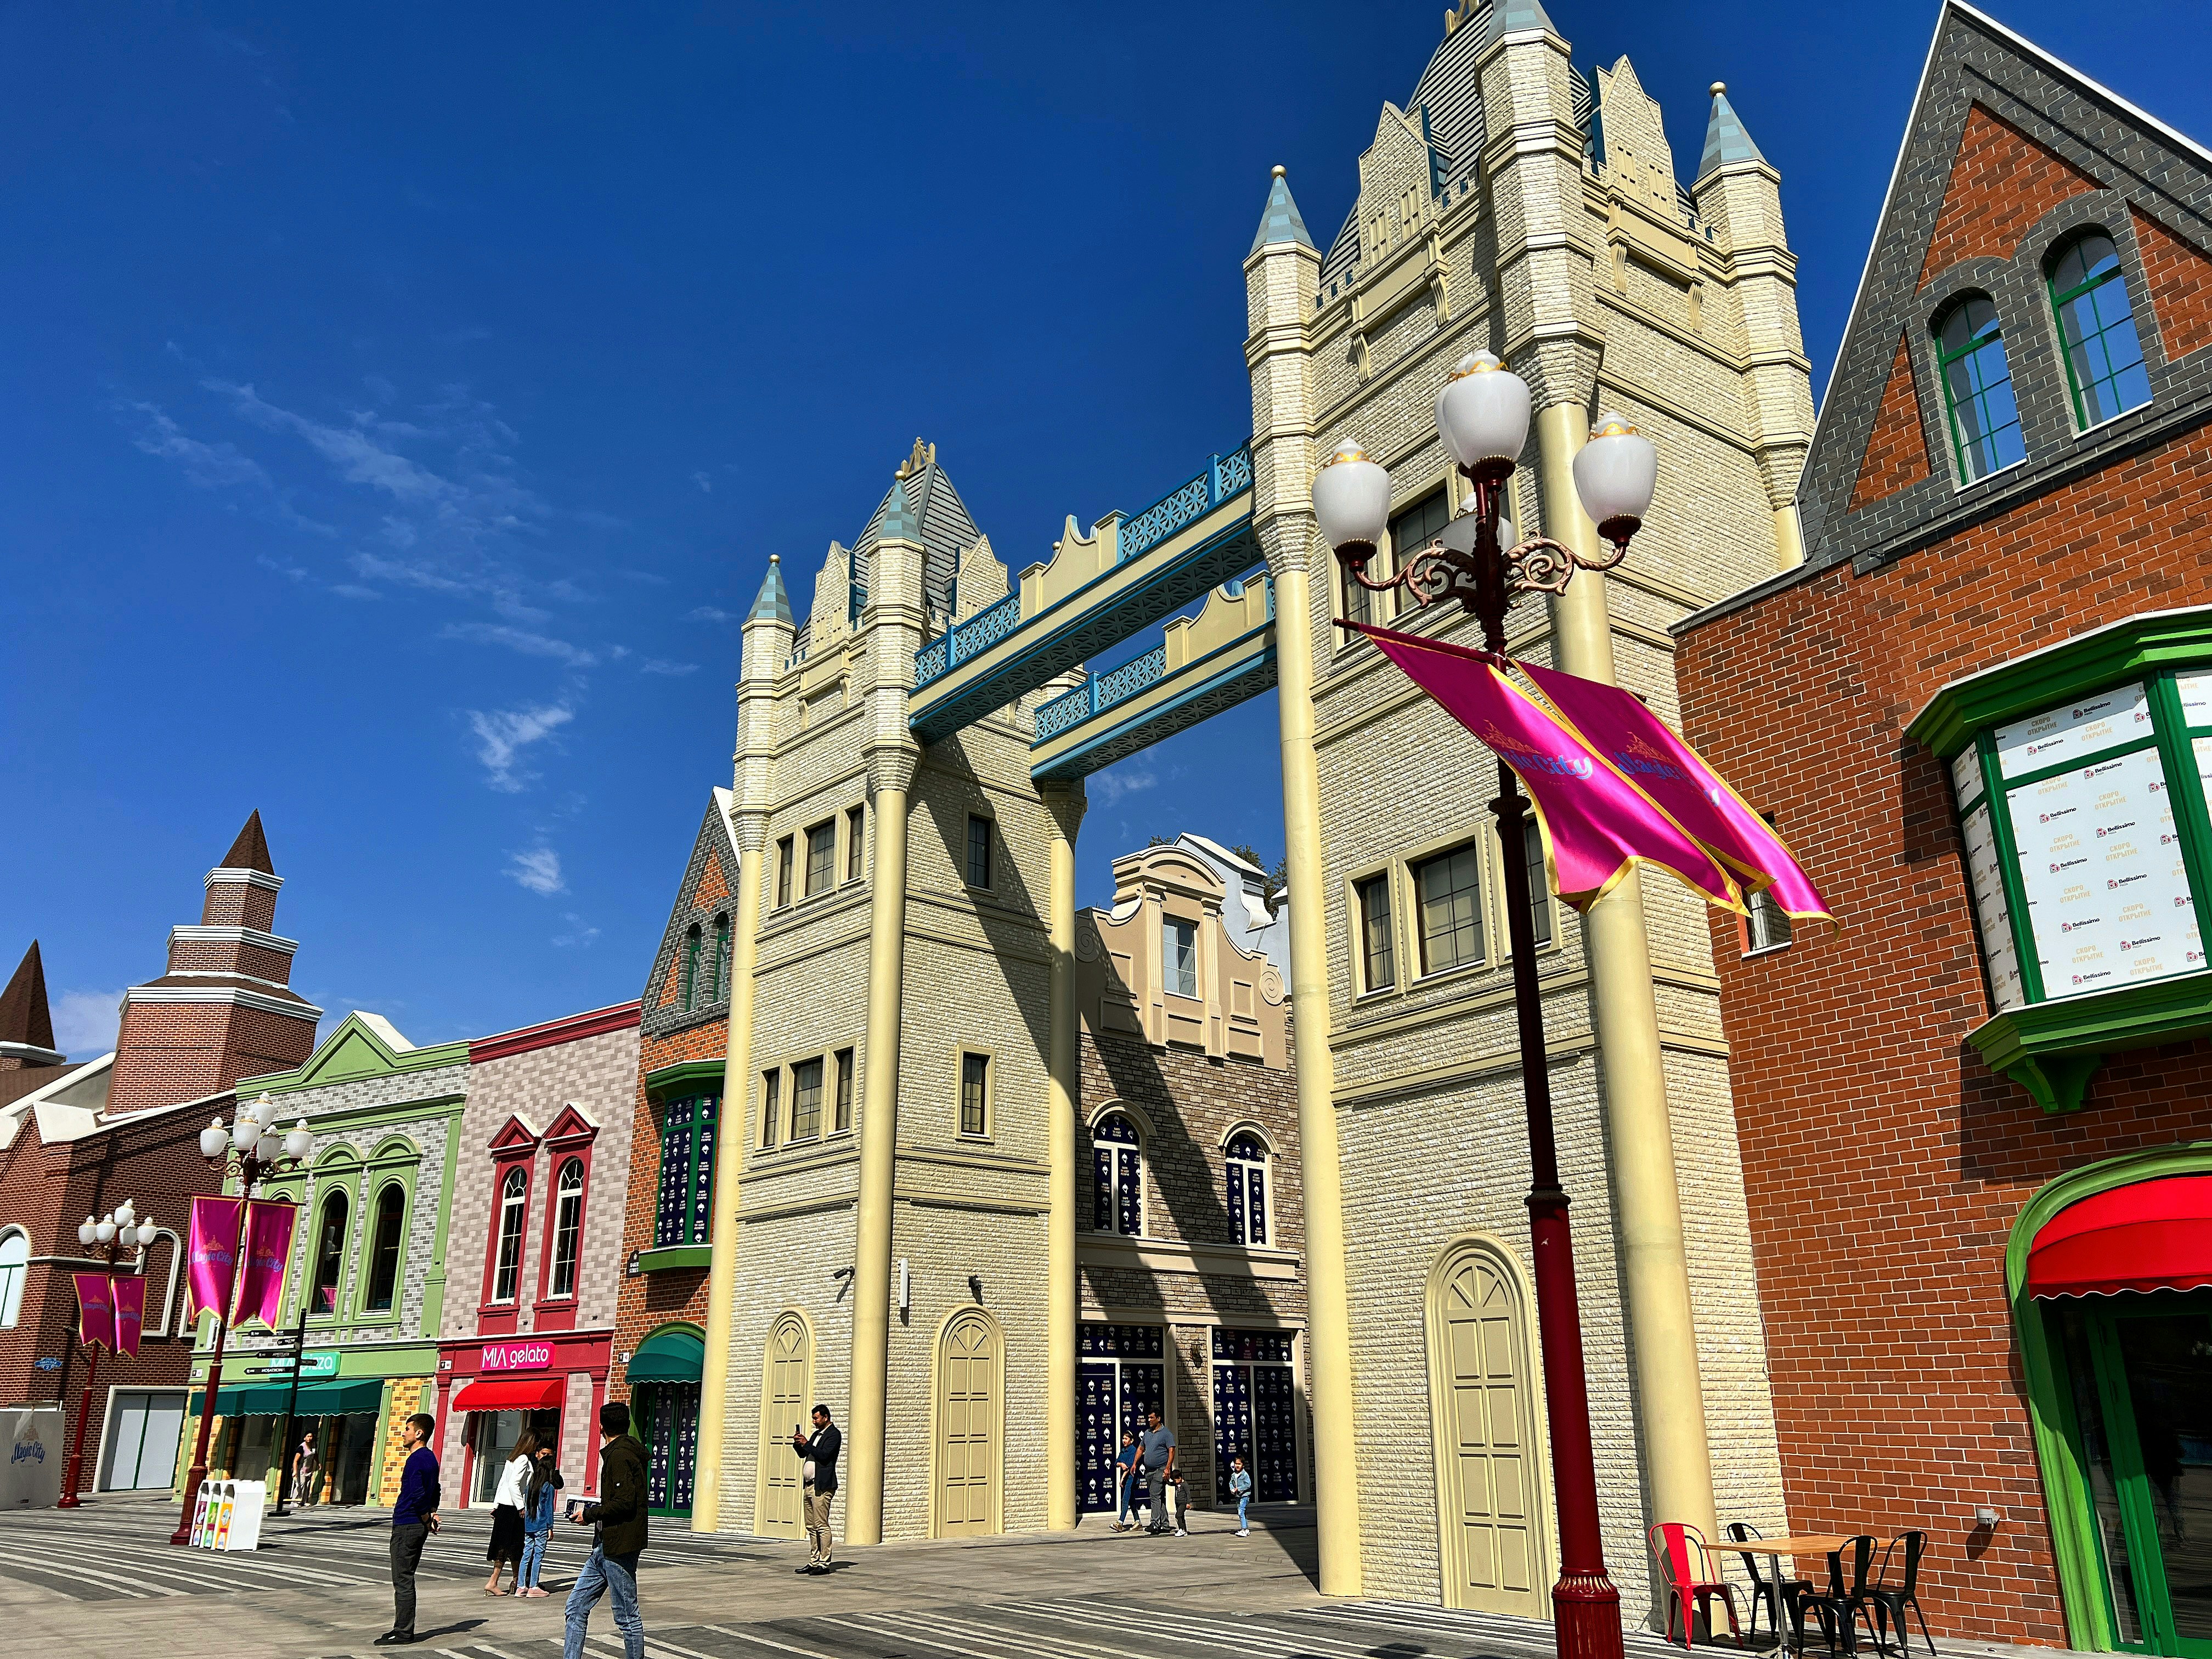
407, 1543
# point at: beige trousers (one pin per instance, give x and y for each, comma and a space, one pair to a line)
817, 1522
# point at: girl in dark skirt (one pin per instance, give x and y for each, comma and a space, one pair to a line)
505, 1549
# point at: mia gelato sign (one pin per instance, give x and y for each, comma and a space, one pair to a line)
524, 1356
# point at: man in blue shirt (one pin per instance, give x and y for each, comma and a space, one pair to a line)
413, 1518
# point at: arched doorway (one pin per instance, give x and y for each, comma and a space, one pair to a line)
787, 1380
1489, 1509
967, 1417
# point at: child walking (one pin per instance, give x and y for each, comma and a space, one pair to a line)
1240, 1488
546, 1484
1125, 1479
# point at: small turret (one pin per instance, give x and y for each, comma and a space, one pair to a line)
1726, 142
1280, 222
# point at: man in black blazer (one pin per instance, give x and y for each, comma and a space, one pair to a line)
819, 1484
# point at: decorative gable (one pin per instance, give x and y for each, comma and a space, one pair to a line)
517, 1134
702, 894
571, 1125
1897, 448
2003, 182
712, 889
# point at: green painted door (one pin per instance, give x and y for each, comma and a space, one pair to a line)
2140, 1367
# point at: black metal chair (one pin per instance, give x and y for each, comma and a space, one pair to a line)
1890, 1597
1770, 1589
1842, 1604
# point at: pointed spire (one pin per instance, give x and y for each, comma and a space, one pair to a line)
251, 850
1281, 223
23, 1015
900, 522
1725, 139
774, 605
1513, 16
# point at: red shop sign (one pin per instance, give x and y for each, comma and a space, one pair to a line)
523, 1356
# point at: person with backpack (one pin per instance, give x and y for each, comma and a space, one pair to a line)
542, 1500
617, 1523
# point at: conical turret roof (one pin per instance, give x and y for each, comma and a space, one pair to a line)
773, 604
1281, 221
251, 850
1725, 139
24, 1016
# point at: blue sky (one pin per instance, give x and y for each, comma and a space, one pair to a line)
407, 400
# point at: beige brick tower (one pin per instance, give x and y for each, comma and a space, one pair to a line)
1510, 205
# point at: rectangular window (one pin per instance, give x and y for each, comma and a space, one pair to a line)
1179, 952
1766, 928
684, 1209
771, 1105
1378, 952
856, 838
783, 872
979, 851
806, 1100
844, 1114
1412, 530
821, 857
1359, 603
975, 1093
1450, 890
1539, 881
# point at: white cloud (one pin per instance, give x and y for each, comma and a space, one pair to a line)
656, 665
211, 467
85, 1022
517, 638
578, 936
1117, 782
501, 736
354, 591
538, 868
705, 481
709, 613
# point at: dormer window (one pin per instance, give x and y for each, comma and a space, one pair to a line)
1179, 954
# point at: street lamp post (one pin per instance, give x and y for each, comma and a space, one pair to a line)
120, 1229
250, 1149
1482, 413
291, 1405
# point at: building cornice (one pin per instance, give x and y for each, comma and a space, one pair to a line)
31, 1055
298, 1008
573, 1028
253, 936
224, 876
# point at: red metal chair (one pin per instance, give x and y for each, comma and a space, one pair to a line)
1685, 1566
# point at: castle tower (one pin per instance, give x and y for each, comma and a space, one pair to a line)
223, 1009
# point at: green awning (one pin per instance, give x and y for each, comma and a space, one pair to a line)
316, 1400
672, 1355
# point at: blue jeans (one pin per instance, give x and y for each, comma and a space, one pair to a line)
1128, 1495
602, 1573
1243, 1504
533, 1558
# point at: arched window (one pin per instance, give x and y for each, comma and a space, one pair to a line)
720, 985
691, 949
2097, 325
1247, 1189
513, 1200
567, 1225
1977, 398
385, 1237
330, 1254
1118, 1152
14, 1267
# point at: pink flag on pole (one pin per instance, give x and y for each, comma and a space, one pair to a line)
211, 1257
268, 1246
95, 1311
1656, 759
129, 1313
1597, 825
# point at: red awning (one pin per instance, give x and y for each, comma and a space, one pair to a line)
2153, 1235
512, 1394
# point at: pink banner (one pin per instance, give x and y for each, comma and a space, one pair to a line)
268, 1246
1597, 825
211, 1257
1656, 759
130, 1314
95, 1310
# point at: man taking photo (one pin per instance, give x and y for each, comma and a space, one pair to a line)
617, 1521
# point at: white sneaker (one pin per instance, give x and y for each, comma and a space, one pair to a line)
1243, 1532
1180, 1532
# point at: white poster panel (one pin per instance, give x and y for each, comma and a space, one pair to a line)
2195, 698
2072, 731
2108, 898
1990, 911
1966, 776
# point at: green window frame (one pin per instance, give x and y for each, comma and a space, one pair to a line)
1979, 406
2081, 778
2089, 300
691, 953
719, 986
683, 1208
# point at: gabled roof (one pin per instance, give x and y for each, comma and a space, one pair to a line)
704, 890
364, 1045
924, 493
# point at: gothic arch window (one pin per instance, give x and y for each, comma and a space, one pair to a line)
2097, 327
1248, 1189
14, 1267
1118, 1156
1978, 396
514, 1207
692, 945
719, 986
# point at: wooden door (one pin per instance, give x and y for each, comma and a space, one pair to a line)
785, 1380
1490, 1509
967, 1427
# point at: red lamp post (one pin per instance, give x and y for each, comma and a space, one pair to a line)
120, 1230
251, 1149
1483, 416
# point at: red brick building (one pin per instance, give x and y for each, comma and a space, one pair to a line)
1976, 1123
78, 1140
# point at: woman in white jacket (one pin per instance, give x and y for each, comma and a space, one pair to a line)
505, 1549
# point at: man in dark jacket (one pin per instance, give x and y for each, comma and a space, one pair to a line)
413, 1518
819, 1484
617, 1523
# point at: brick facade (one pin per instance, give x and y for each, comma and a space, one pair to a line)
1896, 449
2001, 183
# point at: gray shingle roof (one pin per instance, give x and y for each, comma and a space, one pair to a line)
947, 531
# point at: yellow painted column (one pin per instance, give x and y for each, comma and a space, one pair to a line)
1647, 1205
1328, 1311
863, 1484
729, 1171
1064, 804
1789, 538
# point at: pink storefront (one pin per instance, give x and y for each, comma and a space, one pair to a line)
489, 1392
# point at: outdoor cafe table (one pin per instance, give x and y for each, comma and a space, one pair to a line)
1813, 1544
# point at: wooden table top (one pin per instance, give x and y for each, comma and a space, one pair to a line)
1817, 1544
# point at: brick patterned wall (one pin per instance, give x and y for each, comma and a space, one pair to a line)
171, 1051
409, 1394
1897, 448
652, 1300
2178, 277
2002, 182
1902, 1406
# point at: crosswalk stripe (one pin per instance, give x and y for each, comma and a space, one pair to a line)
908, 1636
762, 1641
945, 1624
1250, 1632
